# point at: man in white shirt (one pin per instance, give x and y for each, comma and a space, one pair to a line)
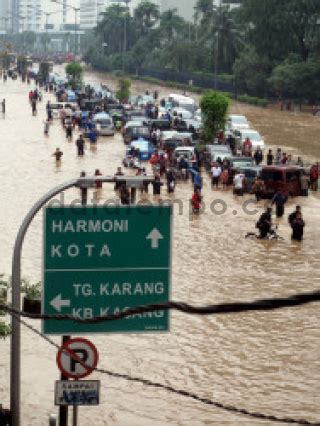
239, 184
215, 172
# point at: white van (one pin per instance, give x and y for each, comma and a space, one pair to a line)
183, 102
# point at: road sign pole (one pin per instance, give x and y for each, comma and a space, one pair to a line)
15, 359
75, 416
63, 409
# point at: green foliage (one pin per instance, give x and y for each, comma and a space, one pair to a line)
280, 27
5, 330
251, 73
252, 100
4, 285
74, 71
244, 44
297, 79
32, 291
214, 106
123, 92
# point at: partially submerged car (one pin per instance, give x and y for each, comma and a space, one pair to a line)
286, 179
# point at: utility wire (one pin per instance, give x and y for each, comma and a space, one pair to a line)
180, 392
218, 309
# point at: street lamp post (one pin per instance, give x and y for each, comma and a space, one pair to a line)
76, 10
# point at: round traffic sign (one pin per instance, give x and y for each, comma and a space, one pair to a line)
77, 358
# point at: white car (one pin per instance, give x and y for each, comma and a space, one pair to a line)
198, 115
181, 112
185, 151
104, 124
236, 122
254, 136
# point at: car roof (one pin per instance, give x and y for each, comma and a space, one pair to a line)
237, 116
218, 148
249, 131
185, 148
283, 167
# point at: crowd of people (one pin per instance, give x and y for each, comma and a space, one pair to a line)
168, 170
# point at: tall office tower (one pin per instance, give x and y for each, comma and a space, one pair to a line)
32, 18
5, 19
91, 12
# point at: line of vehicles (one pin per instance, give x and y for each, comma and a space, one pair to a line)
172, 126
276, 178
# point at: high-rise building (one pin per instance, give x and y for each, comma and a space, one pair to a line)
29, 18
5, 10
91, 12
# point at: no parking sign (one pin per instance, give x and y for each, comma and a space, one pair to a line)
77, 358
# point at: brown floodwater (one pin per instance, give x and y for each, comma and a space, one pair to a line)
266, 362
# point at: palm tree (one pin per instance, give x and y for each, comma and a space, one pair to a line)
171, 24
146, 16
111, 29
203, 11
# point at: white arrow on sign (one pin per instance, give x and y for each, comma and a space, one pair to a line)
59, 303
154, 236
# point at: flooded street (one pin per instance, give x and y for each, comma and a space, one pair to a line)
263, 362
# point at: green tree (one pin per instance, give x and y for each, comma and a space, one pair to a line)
297, 79
146, 15
214, 107
280, 27
171, 24
251, 73
110, 29
123, 92
74, 72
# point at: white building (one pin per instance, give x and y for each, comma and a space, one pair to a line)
90, 12
5, 10
32, 18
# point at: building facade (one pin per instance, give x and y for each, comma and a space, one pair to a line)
5, 10
90, 12
29, 18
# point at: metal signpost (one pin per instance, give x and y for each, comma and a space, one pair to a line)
15, 364
102, 260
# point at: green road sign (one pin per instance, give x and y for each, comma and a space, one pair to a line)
102, 260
